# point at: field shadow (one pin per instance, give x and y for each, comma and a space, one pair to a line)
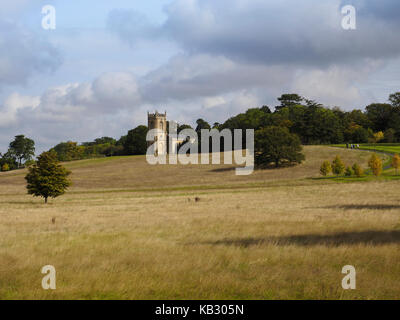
331, 240
223, 169
361, 206
32, 202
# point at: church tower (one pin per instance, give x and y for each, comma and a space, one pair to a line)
158, 121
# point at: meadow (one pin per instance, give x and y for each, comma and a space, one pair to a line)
128, 230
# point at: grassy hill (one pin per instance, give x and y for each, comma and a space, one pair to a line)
134, 173
128, 230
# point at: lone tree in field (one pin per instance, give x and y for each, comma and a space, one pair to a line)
277, 145
326, 168
375, 163
396, 162
47, 178
338, 166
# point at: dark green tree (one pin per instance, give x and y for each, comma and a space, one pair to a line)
359, 135
266, 109
47, 178
22, 148
183, 127
380, 115
289, 99
9, 159
135, 142
277, 145
202, 124
395, 99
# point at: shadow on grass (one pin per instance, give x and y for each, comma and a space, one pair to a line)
361, 206
32, 202
331, 240
223, 169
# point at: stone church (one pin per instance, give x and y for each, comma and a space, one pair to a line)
164, 143
158, 121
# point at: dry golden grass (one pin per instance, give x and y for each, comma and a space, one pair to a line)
272, 235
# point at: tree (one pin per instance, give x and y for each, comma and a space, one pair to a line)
135, 142
390, 135
356, 134
379, 136
202, 124
349, 172
183, 127
396, 162
277, 145
395, 99
380, 115
9, 159
375, 163
338, 166
47, 178
22, 148
266, 109
68, 151
358, 171
289, 99
326, 168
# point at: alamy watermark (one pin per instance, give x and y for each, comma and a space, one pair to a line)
184, 147
349, 21
349, 281
49, 280
49, 18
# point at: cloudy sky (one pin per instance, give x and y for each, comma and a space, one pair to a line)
108, 62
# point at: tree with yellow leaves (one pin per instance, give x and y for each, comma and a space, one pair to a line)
396, 162
326, 168
338, 166
358, 171
379, 136
375, 164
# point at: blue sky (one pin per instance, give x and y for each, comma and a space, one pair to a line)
108, 62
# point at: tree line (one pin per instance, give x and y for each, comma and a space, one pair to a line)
294, 121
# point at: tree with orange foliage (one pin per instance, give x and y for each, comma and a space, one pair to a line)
375, 163
396, 162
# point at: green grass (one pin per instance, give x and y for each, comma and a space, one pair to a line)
390, 148
386, 176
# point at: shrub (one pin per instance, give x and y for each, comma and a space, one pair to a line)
396, 162
349, 172
338, 166
5, 167
358, 171
29, 163
326, 168
375, 163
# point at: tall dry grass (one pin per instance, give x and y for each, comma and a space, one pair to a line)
272, 236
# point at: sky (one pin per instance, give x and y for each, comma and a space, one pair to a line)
107, 63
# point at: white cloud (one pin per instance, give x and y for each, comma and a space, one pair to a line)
12, 105
23, 54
